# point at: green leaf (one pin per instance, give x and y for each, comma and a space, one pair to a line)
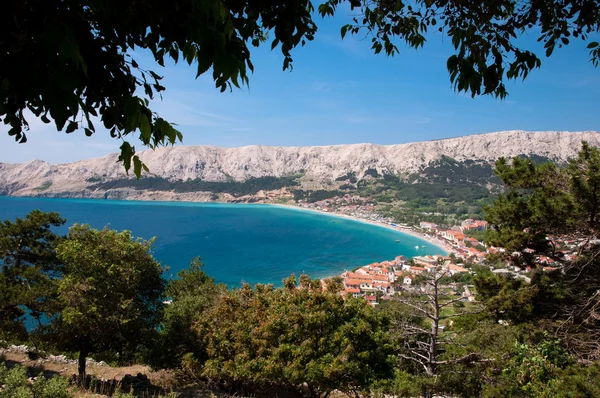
137, 166
72, 127
204, 64
145, 128
132, 107
344, 30
127, 152
593, 44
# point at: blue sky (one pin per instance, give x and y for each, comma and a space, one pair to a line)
339, 92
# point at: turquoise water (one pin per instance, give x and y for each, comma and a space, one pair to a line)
237, 242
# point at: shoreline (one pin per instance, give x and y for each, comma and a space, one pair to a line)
447, 249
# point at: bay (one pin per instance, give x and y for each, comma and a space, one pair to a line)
237, 242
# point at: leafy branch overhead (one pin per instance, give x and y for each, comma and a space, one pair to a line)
484, 34
73, 62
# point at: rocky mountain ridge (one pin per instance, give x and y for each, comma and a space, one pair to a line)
319, 163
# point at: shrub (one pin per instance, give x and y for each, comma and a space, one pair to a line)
15, 385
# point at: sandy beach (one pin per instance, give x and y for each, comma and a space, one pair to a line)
435, 242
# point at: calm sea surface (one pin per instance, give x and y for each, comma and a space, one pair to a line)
237, 242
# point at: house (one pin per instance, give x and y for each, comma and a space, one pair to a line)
455, 237
382, 278
372, 300
472, 241
427, 225
355, 275
354, 292
408, 280
416, 270
382, 286
473, 225
367, 288
545, 260
425, 260
456, 269
476, 253
431, 267
352, 283
401, 260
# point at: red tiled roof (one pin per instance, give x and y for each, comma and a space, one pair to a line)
350, 282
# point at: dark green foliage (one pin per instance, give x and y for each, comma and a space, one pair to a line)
445, 186
78, 58
448, 170
267, 339
349, 176
316, 196
485, 35
543, 370
433, 202
347, 187
14, 384
371, 172
28, 267
190, 296
506, 297
248, 187
544, 201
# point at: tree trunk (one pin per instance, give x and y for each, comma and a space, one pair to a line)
83, 353
435, 324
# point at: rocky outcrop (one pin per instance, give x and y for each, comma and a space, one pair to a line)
321, 163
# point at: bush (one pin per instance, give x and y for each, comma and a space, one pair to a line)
55, 387
15, 385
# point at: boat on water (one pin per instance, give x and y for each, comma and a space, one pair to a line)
417, 247
397, 240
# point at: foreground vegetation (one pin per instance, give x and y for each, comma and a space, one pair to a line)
100, 293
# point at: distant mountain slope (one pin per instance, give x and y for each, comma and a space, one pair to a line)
465, 159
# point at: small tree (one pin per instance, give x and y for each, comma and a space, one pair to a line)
298, 339
419, 326
190, 296
551, 214
111, 293
28, 266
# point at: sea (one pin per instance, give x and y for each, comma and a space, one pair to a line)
237, 242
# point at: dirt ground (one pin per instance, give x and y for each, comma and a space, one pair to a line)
107, 378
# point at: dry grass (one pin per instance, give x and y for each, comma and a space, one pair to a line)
163, 380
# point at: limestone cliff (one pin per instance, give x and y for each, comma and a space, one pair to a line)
319, 163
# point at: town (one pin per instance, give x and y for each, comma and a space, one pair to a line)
382, 280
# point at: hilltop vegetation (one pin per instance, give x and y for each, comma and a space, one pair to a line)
236, 188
